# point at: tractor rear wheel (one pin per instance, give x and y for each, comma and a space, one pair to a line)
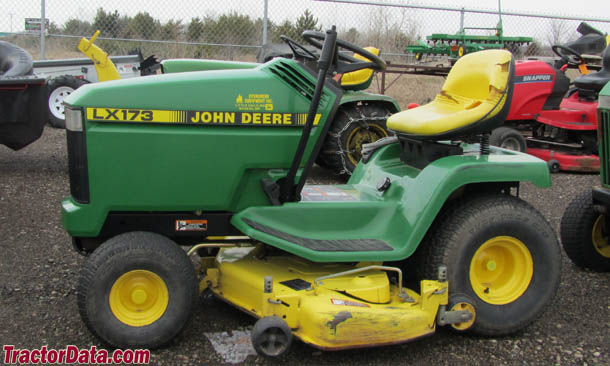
137, 290
501, 253
355, 124
508, 138
584, 234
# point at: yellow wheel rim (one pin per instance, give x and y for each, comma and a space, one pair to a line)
138, 298
468, 307
600, 237
362, 135
501, 270
460, 51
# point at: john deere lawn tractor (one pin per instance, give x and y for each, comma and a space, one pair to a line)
163, 163
585, 223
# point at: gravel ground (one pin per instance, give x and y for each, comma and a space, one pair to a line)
39, 270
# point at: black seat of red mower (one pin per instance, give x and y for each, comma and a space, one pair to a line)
597, 80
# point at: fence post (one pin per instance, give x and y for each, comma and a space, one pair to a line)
265, 22
42, 27
462, 21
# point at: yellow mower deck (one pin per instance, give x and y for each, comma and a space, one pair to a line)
353, 310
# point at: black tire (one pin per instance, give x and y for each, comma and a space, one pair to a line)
419, 56
554, 166
57, 90
271, 337
124, 254
354, 125
580, 224
508, 138
473, 223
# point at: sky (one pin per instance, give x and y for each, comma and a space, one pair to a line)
328, 13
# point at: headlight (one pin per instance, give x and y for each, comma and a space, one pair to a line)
74, 119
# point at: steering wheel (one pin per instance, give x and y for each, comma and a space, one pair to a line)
570, 57
297, 49
375, 62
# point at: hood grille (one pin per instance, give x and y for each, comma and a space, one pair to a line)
294, 77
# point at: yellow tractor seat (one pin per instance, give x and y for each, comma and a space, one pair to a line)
474, 99
360, 79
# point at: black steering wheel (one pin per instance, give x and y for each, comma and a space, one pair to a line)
568, 55
352, 64
298, 49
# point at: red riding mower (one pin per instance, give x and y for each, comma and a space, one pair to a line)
550, 120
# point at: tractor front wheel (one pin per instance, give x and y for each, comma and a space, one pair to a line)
354, 125
584, 234
137, 290
501, 253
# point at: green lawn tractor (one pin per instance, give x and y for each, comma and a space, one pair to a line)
586, 221
166, 162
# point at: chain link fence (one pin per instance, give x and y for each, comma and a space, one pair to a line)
235, 29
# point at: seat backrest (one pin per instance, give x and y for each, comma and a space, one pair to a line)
475, 99
360, 79
592, 83
483, 81
481, 76
606, 59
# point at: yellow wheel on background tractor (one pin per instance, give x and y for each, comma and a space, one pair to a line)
599, 236
137, 290
502, 257
354, 124
584, 234
362, 134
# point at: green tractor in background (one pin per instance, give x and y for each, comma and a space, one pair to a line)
586, 222
361, 117
197, 159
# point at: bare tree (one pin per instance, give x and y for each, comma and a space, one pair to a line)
558, 32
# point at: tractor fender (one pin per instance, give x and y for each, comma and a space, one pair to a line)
400, 213
360, 96
422, 195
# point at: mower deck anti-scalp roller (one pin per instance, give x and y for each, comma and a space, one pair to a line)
193, 159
